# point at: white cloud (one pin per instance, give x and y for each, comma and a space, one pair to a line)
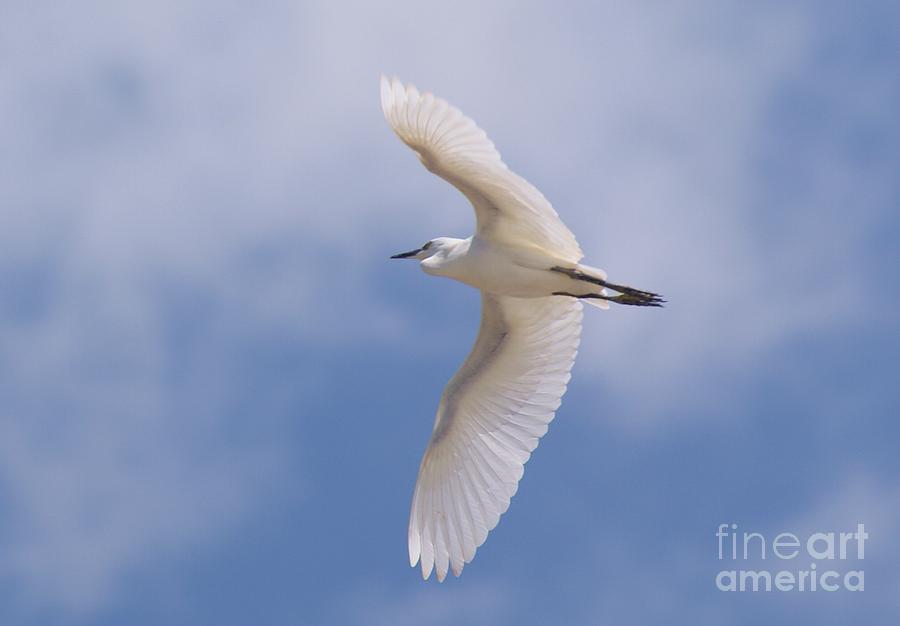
116, 444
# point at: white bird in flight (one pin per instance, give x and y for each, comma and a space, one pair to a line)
525, 262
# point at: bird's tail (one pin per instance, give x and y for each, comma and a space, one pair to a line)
600, 304
596, 272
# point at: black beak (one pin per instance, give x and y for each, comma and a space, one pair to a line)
406, 255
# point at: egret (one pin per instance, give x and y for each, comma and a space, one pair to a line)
525, 262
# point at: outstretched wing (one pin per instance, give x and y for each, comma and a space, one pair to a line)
508, 208
491, 415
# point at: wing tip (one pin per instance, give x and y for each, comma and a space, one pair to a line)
387, 100
427, 568
414, 551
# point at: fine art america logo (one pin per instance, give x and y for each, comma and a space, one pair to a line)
821, 560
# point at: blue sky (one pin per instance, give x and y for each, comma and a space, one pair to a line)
215, 388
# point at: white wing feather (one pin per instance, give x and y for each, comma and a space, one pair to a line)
491, 415
508, 208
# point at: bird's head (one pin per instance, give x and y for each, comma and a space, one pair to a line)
440, 246
420, 253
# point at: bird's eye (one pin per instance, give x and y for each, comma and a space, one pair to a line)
427, 245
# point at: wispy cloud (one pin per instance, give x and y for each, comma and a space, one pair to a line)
116, 443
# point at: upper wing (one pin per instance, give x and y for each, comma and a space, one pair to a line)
491, 415
508, 207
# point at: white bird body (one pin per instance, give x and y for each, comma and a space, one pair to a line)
497, 406
504, 269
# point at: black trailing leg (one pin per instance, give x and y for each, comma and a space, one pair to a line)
628, 295
622, 298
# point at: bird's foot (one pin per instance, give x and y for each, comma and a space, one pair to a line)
640, 298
